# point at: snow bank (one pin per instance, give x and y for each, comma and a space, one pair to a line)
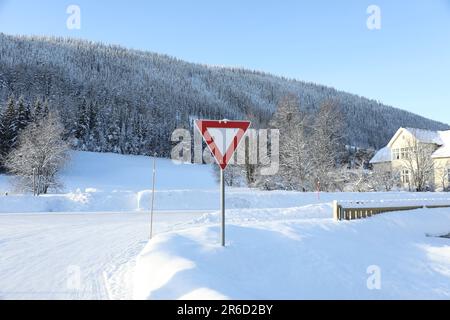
301, 259
88, 201
92, 200
319, 211
241, 198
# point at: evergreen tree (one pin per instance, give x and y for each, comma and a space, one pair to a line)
82, 125
91, 137
9, 128
92, 116
45, 110
37, 112
23, 114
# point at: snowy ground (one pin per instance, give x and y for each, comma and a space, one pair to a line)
91, 242
290, 257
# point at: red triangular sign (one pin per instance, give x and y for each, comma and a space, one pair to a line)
222, 137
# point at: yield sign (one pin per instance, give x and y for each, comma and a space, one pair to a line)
222, 137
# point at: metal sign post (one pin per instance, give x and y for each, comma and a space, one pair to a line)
222, 203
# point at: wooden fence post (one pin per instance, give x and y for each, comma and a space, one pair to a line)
336, 215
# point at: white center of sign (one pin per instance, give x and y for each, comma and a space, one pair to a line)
223, 138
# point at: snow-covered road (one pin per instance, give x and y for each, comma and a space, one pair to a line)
74, 256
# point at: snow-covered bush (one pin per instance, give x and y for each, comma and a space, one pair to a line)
39, 156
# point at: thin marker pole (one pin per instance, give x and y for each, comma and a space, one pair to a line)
34, 181
153, 197
222, 203
318, 190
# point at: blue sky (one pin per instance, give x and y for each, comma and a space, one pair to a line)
405, 64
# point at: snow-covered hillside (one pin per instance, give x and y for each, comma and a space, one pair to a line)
113, 172
107, 172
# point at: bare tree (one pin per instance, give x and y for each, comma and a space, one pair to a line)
234, 175
351, 180
295, 164
326, 143
419, 164
384, 180
442, 173
40, 155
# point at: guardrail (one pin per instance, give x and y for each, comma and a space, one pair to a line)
340, 212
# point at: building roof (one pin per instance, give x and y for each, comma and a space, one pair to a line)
439, 138
383, 155
426, 136
444, 150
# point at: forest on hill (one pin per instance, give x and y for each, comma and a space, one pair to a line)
112, 99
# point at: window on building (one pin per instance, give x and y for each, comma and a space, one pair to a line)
405, 176
448, 175
409, 152
403, 153
396, 154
